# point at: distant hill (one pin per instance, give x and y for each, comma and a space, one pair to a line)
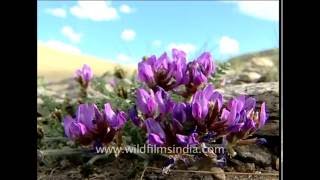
55, 65
238, 63
261, 66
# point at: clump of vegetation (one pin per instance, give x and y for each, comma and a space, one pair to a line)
172, 103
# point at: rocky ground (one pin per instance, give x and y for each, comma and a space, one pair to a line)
252, 159
254, 67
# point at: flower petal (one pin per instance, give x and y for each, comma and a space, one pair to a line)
109, 114
163, 101
162, 63
86, 115
66, 124
155, 139
121, 120
240, 102
263, 115
179, 112
146, 74
133, 114
196, 110
77, 130
208, 91
206, 62
217, 98
146, 102
182, 139
87, 72
233, 113
178, 54
225, 114
154, 127
250, 103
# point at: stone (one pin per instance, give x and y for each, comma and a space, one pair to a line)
249, 77
271, 128
218, 173
242, 166
64, 164
254, 153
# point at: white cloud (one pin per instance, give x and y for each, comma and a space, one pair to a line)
58, 12
156, 43
94, 10
71, 34
128, 35
124, 8
186, 47
267, 10
228, 46
61, 46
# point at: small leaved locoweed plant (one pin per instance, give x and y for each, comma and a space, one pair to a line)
174, 105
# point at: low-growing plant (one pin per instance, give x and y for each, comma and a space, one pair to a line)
173, 104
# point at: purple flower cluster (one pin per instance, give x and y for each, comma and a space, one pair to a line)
202, 116
152, 113
169, 73
242, 112
164, 71
92, 126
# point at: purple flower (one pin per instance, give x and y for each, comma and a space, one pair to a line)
250, 103
202, 99
146, 74
84, 126
252, 121
162, 63
179, 66
86, 114
115, 120
230, 114
92, 126
213, 96
238, 102
155, 139
156, 134
77, 129
243, 120
179, 112
72, 133
165, 104
84, 75
191, 140
164, 72
205, 61
133, 114
200, 69
231, 118
196, 77
199, 106
146, 102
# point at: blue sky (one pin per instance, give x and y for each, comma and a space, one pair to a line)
124, 31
